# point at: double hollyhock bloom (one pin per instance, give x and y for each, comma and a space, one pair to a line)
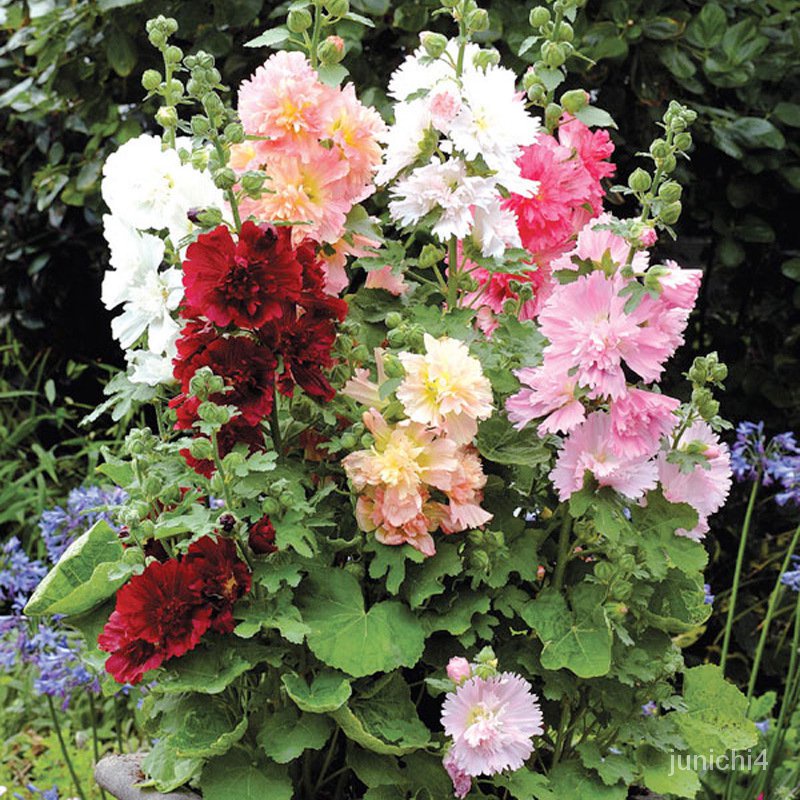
568, 168
164, 612
257, 314
618, 431
492, 722
319, 148
444, 393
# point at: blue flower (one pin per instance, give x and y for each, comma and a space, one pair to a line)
709, 598
791, 577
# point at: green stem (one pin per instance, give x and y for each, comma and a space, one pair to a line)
315, 34
561, 735
563, 550
452, 274
274, 424
726, 642
773, 603
64, 751
327, 762
95, 742
221, 470
789, 698
118, 726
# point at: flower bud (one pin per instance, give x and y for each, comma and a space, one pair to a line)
269, 505
337, 8
603, 571
227, 521
173, 54
225, 178
553, 54
393, 319
459, 670
669, 163
214, 414
201, 449
639, 180
253, 181
200, 126
433, 43
151, 79
539, 16
575, 100
552, 114
670, 191
234, 132
430, 255
299, 20
331, 50
537, 94
659, 149
478, 20
683, 141
671, 213
486, 58
479, 559
564, 32
167, 117
392, 366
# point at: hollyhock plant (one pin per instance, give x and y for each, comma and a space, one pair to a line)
336, 509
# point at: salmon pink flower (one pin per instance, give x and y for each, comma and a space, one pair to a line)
445, 388
492, 722
546, 393
465, 494
639, 420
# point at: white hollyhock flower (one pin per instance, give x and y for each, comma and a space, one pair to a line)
148, 306
404, 138
444, 187
150, 368
133, 254
495, 229
419, 72
493, 122
151, 189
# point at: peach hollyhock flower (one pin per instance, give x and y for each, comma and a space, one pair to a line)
546, 393
386, 279
304, 191
588, 449
354, 130
364, 390
445, 388
706, 487
334, 258
283, 101
492, 722
371, 514
464, 511
404, 459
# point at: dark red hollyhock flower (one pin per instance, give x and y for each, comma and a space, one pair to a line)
157, 608
246, 282
261, 536
219, 576
306, 351
195, 338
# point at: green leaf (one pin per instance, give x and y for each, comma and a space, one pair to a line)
120, 50
708, 27
391, 562
287, 734
788, 114
210, 670
500, 442
791, 269
382, 718
235, 775
332, 74
677, 604
570, 780
595, 117
275, 612
90, 570
290, 533
346, 636
677, 62
612, 768
525, 785
426, 580
166, 769
716, 713
206, 730
328, 691
107, 5
756, 132
578, 642
664, 775
270, 38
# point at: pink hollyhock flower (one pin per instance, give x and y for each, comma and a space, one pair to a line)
283, 101
462, 783
595, 242
706, 487
334, 259
679, 287
445, 388
386, 279
493, 291
590, 333
458, 669
492, 722
649, 237
639, 420
589, 449
549, 394
557, 211
592, 148
444, 103
464, 511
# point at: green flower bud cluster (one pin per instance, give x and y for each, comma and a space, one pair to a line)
204, 383
485, 548
406, 336
485, 664
706, 373
658, 193
140, 442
